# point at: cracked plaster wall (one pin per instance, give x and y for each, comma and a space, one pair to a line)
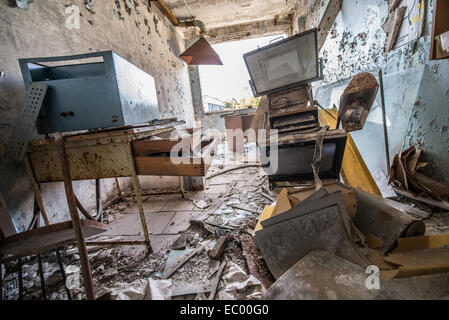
143, 37
416, 89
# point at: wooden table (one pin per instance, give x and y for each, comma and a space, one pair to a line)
101, 155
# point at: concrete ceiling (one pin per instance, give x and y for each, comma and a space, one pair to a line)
220, 13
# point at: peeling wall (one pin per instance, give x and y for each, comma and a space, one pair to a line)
416, 90
143, 37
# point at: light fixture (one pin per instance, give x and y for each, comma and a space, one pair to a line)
201, 53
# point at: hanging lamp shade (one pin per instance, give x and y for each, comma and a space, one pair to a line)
201, 53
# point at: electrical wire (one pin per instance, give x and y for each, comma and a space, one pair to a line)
187, 7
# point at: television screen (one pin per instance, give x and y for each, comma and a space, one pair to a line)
284, 64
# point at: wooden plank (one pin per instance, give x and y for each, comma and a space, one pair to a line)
86, 163
47, 238
266, 214
128, 134
331, 13
36, 189
180, 262
440, 24
179, 291
395, 27
421, 270
354, 170
163, 166
138, 194
420, 257
219, 248
422, 243
419, 262
440, 204
261, 116
282, 205
142, 147
76, 221
216, 282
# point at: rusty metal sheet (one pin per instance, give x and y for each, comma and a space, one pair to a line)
322, 224
99, 155
375, 217
86, 163
324, 276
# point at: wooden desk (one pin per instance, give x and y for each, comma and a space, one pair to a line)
108, 154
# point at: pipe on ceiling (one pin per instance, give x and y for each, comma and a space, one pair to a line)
194, 23
176, 22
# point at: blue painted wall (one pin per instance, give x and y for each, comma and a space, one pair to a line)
417, 90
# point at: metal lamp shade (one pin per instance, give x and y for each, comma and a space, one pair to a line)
201, 53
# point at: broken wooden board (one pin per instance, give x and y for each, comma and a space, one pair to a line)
266, 214
354, 170
216, 282
46, 239
219, 248
416, 270
415, 263
422, 243
420, 257
180, 261
327, 21
260, 120
282, 205
392, 27
178, 291
378, 260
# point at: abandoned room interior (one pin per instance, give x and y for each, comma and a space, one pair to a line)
224, 150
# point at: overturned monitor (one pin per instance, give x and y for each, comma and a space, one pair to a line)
287, 64
295, 153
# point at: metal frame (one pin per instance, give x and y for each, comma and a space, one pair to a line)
123, 138
291, 86
81, 82
62, 145
333, 174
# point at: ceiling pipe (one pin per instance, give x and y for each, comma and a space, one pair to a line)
168, 12
175, 21
194, 23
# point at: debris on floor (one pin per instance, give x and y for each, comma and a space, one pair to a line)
324, 276
408, 181
237, 239
326, 230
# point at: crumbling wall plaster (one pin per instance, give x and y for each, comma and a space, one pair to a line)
417, 91
143, 36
